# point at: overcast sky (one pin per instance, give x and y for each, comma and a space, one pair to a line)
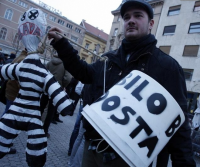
95, 12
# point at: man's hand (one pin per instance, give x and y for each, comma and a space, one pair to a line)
52, 34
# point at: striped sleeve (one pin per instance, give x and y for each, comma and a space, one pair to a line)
8, 71
56, 93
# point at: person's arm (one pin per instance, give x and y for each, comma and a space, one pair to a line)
59, 97
180, 145
8, 71
72, 63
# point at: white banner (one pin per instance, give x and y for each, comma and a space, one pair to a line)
137, 117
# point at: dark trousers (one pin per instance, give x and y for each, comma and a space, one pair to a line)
50, 115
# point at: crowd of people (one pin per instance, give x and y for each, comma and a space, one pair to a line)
84, 83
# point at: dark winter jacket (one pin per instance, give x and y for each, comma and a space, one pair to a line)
2, 59
12, 57
153, 62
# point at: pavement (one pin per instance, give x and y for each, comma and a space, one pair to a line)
57, 145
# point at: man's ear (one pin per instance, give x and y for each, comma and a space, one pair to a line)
151, 23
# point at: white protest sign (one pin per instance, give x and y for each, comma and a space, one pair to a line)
137, 117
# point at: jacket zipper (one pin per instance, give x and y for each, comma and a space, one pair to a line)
135, 60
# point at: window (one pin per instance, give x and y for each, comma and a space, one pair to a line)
3, 33
78, 30
14, 1
174, 10
23, 4
118, 19
165, 49
169, 30
61, 22
115, 32
69, 26
188, 74
191, 50
52, 18
87, 45
197, 6
73, 38
46, 14
16, 39
8, 14
194, 28
30, 7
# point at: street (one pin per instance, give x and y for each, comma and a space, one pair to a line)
57, 145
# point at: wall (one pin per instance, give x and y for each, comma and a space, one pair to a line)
181, 38
92, 40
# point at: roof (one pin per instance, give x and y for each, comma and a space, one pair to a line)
95, 31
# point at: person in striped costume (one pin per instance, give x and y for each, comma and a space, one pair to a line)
34, 79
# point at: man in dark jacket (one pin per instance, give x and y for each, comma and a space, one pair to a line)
138, 51
2, 59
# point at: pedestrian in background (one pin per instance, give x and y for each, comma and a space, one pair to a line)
2, 59
75, 131
78, 146
11, 58
70, 89
6, 57
2, 62
56, 67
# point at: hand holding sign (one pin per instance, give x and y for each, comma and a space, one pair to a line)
137, 117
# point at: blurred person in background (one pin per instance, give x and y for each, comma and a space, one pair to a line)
56, 67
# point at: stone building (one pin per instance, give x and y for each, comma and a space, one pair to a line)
12, 10
94, 40
178, 35
117, 32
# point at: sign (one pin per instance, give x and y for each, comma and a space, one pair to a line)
137, 117
42, 4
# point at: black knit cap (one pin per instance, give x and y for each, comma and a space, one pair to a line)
146, 6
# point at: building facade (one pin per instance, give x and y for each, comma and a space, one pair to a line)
12, 10
178, 35
117, 31
95, 40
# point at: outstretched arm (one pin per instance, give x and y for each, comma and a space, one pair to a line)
79, 69
9, 71
59, 97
